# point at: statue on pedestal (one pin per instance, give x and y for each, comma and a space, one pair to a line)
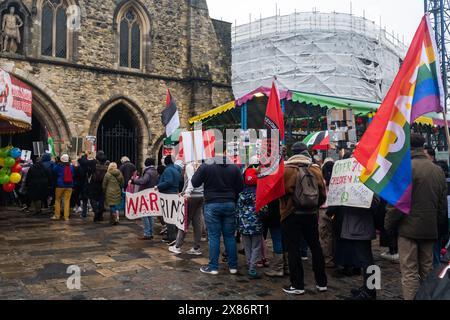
11, 25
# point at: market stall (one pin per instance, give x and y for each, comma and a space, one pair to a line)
15, 117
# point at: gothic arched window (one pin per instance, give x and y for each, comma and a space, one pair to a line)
130, 40
54, 28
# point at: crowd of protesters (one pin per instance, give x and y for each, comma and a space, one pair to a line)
221, 202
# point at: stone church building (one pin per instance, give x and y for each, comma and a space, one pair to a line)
102, 68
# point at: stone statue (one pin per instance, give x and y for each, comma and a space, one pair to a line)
11, 25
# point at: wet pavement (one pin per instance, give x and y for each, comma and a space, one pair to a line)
35, 254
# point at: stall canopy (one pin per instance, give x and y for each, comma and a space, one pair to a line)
296, 100
15, 104
358, 106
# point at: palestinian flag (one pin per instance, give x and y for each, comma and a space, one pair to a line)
170, 117
51, 145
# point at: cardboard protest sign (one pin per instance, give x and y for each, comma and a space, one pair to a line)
345, 187
149, 203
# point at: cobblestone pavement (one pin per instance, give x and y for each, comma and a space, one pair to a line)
36, 252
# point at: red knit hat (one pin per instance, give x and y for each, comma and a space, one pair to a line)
251, 178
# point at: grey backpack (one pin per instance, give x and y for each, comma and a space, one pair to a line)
306, 193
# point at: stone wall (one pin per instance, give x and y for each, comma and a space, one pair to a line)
188, 53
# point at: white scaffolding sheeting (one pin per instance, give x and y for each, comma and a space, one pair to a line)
327, 53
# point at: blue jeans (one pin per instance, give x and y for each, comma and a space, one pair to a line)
277, 243
148, 226
220, 219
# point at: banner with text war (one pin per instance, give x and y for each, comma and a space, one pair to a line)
345, 187
149, 203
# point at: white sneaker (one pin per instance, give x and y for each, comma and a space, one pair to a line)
233, 271
175, 250
195, 252
322, 289
390, 257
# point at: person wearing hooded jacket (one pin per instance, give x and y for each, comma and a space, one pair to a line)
169, 183
64, 173
112, 187
148, 180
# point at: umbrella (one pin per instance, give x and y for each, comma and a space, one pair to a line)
318, 140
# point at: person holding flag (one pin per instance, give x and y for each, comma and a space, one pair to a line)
411, 184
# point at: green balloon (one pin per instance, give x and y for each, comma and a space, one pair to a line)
3, 153
4, 179
5, 171
9, 162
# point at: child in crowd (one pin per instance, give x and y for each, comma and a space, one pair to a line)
249, 223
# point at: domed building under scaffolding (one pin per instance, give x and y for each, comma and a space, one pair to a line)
326, 53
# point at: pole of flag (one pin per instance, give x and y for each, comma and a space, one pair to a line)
447, 133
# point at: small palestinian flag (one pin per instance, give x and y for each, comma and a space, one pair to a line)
51, 145
170, 117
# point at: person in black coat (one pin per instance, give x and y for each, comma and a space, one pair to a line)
354, 232
37, 185
128, 170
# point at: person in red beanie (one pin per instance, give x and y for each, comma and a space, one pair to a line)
249, 223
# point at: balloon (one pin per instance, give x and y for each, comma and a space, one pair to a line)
4, 179
3, 153
9, 187
4, 171
16, 168
15, 153
9, 162
19, 160
15, 178
2, 162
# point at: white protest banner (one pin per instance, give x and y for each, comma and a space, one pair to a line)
345, 187
149, 203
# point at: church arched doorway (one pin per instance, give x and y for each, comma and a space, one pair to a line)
118, 135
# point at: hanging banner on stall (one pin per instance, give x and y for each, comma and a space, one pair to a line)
345, 187
149, 203
15, 103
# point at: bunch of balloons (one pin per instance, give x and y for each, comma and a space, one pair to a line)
10, 168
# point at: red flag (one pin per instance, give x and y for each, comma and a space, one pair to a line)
271, 178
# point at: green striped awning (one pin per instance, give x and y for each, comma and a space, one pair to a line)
360, 107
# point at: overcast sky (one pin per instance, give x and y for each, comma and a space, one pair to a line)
401, 16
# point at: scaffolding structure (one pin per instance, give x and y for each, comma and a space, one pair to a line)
440, 18
327, 53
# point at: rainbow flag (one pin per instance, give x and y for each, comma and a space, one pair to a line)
385, 149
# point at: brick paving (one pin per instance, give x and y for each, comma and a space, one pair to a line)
36, 252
